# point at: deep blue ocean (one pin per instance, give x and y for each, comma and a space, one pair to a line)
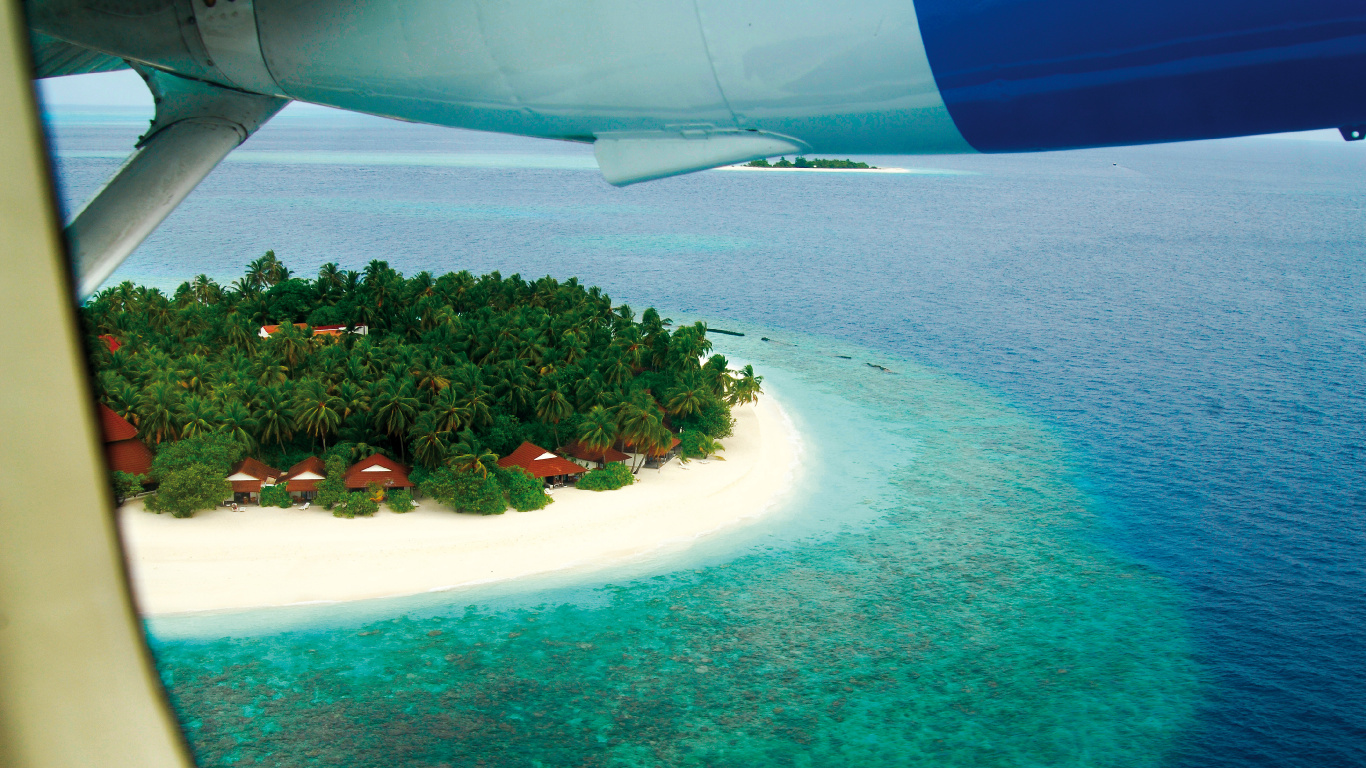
1106, 506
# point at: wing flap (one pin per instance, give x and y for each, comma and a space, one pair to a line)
58, 58
628, 158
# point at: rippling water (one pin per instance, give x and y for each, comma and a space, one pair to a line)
1108, 510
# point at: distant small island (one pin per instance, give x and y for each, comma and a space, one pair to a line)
815, 162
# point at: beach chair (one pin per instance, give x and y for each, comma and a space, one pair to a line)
305, 506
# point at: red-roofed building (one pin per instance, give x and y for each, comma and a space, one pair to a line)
318, 330
122, 448
377, 469
111, 342
542, 464
247, 476
658, 457
302, 479
577, 451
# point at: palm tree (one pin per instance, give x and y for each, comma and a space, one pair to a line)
638, 427
330, 278
290, 344
469, 456
354, 398
157, 409
272, 372
236, 422
688, 399
431, 377
599, 431
429, 442
478, 401
205, 290
238, 332
747, 387
319, 411
197, 417
553, 407
716, 375
395, 409
448, 413
274, 416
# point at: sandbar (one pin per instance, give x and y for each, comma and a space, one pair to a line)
222, 560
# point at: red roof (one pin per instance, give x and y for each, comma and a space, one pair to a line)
539, 462
255, 469
377, 469
311, 464
114, 426
318, 330
580, 452
673, 443
129, 456
111, 342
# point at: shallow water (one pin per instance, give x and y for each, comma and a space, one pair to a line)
1137, 362
927, 600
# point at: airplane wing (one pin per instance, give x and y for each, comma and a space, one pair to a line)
58, 58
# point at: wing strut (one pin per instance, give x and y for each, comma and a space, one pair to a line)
197, 124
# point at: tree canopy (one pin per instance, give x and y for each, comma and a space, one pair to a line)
454, 370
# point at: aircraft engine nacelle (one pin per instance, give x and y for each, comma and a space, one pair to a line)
662, 87
879, 76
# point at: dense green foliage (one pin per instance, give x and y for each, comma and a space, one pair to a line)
609, 478
399, 500
524, 493
191, 473
466, 491
216, 450
356, 504
125, 485
697, 445
189, 489
455, 370
332, 489
276, 496
815, 162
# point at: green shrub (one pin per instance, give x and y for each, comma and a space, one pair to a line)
400, 500
609, 478
125, 485
187, 490
466, 491
524, 492
332, 490
696, 445
359, 505
276, 496
714, 420
217, 451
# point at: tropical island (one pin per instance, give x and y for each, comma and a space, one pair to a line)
422, 394
815, 162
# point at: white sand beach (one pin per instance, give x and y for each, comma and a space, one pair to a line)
814, 170
221, 560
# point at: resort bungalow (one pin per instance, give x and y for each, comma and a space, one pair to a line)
318, 330
542, 464
122, 448
247, 476
656, 458
380, 469
302, 479
581, 455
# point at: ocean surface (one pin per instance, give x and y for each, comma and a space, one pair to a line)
1103, 504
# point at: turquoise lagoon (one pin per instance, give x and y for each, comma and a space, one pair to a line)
929, 592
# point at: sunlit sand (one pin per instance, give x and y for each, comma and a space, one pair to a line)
220, 560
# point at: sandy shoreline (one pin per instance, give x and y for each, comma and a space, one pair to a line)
815, 170
220, 560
